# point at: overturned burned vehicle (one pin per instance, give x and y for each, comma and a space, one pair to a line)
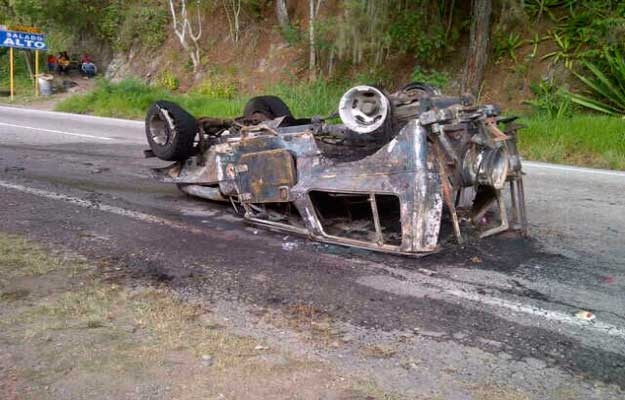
403, 172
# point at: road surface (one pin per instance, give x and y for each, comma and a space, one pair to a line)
499, 313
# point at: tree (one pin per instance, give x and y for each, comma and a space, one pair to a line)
282, 14
312, 54
478, 46
233, 12
184, 30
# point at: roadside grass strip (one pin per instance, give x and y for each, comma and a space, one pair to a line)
84, 335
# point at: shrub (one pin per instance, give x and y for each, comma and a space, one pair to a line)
146, 25
606, 87
433, 77
217, 87
408, 35
550, 100
112, 18
166, 80
506, 45
291, 34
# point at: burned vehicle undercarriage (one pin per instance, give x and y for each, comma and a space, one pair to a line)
403, 172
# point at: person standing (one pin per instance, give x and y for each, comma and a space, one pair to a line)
52, 63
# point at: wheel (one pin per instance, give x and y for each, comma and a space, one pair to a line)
420, 89
170, 131
269, 106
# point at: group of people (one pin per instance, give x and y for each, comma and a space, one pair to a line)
61, 64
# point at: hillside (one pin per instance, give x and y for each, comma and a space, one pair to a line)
386, 42
254, 44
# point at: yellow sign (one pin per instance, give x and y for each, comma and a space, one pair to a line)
22, 28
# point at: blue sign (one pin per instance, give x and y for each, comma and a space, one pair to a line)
23, 40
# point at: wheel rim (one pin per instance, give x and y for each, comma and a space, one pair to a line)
159, 129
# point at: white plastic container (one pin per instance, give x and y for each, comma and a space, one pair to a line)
45, 84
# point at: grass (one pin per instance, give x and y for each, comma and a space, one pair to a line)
23, 83
131, 98
76, 335
21, 258
584, 139
24, 91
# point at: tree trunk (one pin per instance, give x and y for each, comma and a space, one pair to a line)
478, 46
183, 29
312, 56
29, 65
282, 14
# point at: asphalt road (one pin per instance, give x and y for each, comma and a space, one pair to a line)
501, 312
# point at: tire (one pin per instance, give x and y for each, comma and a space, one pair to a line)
170, 131
269, 106
425, 88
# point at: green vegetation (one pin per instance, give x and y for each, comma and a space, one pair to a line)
607, 87
166, 80
19, 257
23, 84
141, 24
131, 99
219, 86
433, 77
587, 140
588, 42
550, 100
117, 23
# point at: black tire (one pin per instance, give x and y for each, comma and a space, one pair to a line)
270, 106
170, 131
426, 88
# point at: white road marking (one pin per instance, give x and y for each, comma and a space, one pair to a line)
101, 207
55, 131
72, 116
439, 288
568, 168
555, 316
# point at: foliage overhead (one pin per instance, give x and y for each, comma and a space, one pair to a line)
117, 23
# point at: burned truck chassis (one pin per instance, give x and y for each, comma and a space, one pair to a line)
442, 158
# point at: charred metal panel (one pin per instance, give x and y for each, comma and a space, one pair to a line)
266, 176
205, 170
205, 192
400, 168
